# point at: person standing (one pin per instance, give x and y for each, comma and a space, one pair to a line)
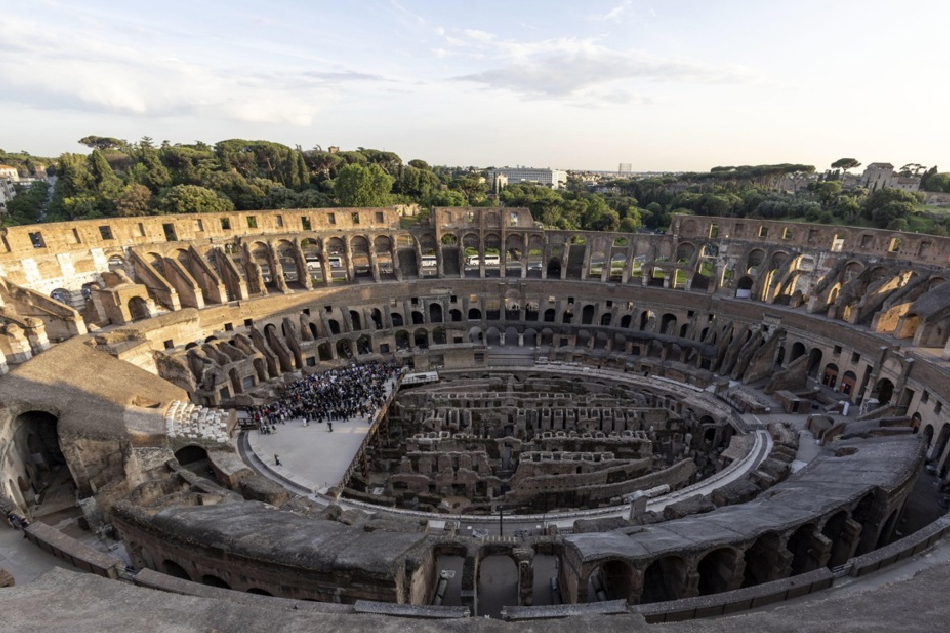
276, 459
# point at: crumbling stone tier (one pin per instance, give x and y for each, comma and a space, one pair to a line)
603, 381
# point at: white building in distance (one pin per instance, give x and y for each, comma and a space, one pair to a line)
553, 178
8, 178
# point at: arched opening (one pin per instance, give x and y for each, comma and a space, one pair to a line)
435, 313
396, 319
355, 320
848, 381
344, 349
383, 246
587, 315
800, 545
497, 585
138, 309
664, 579
259, 592
830, 376
814, 362
421, 338
214, 581
884, 390
37, 458
612, 580
841, 545
716, 571
190, 454
762, 560
744, 287
364, 345
172, 568
798, 349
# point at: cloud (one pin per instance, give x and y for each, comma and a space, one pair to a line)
572, 68
57, 66
616, 14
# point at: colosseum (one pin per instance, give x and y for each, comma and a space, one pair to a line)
590, 429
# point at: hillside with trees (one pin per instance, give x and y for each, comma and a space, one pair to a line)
121, 179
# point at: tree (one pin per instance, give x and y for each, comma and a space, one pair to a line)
107, 183
447, 198
359, 186
845, 164
27, 204
134, 200
104, 143
192, 199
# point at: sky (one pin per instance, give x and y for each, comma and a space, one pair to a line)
662, 85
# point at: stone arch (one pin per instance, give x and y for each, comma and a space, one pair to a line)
61, 295
37, 457
762, 560
744, 287
800, 544
836, 529
814, 362
587, 314
383, 246
611, 580
884, 390
359, 253
211, 580
829, 377
798, 349
344, 348
190, 454
364, 344
259, 592
138, 309
435, 312
664, 579
172, 568
497, 584
716, 571
420, 338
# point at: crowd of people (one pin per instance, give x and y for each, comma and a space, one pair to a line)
336, 394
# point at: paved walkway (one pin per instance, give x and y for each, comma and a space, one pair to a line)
311, 457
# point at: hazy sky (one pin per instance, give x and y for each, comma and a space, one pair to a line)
665, 85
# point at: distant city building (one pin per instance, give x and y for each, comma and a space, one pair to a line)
9, 176
553, 178
882, 175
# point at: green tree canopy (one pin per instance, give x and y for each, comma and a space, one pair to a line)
192, 199
359, 186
